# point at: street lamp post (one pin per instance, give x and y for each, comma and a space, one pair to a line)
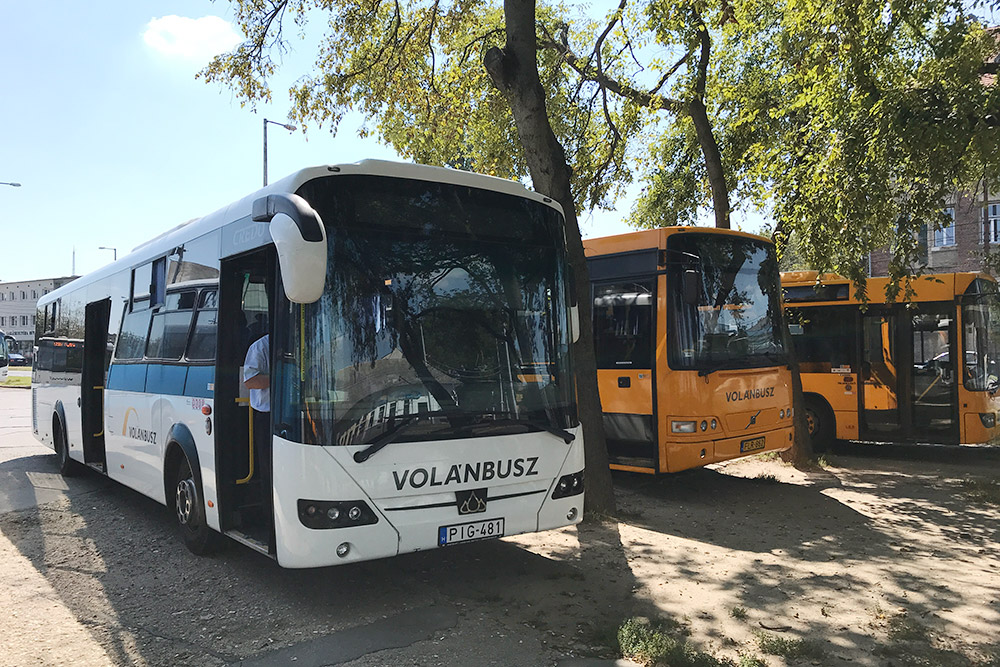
13, 185
290, 128
114, 250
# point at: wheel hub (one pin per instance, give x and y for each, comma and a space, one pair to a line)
187, 496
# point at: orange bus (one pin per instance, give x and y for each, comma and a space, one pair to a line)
919, 371
688, 337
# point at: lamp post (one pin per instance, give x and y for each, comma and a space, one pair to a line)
13, 185
290, 128
114, 250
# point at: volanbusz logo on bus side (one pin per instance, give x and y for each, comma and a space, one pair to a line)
140, 434
756, 392
462, 473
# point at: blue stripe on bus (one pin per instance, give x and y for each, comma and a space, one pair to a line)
127, 377
164, 379
199, 381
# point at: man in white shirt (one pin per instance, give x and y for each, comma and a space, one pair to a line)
257, 378
257, 374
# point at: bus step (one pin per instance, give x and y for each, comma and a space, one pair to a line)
99, 467
248, 540
633, 461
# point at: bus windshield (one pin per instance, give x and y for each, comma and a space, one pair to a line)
724, 311
443, 313
981, 340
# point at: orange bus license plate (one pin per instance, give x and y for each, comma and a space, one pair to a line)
752, 445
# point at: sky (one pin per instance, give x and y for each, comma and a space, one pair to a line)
114, 141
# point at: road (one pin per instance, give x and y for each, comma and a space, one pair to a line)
95, 575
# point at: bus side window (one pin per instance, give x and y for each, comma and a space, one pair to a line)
44, 361
202, 345
135, 327
824, 338
169, 330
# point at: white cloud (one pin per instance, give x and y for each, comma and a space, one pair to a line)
191, 39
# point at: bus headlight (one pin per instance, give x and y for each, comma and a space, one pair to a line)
324, 514
781, 413
989, 419
569, 485
683, 427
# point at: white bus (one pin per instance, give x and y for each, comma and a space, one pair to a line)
421, 386
5, 341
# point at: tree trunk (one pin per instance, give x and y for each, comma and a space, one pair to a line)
801, 452
514, 71
713, 162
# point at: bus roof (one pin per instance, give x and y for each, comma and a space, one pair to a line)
192, 229
651, 238
927, 287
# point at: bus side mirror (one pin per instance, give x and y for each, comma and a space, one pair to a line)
300, 241
690, 286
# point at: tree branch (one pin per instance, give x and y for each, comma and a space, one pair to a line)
600, 78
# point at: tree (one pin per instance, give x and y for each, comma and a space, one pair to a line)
848, 120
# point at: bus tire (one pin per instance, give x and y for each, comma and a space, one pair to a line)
67, 466
189, 508
820, 423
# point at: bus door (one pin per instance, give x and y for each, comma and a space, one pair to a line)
243, 473
935, 375
96, 357
624, 326
880, 386
908, 374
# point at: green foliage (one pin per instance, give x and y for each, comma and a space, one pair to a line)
982, 490
906, 629
850, 123
739, 613
650, 643
415, 69
789, 648
858, 122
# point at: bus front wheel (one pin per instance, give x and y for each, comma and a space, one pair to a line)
819, 419
189, 506
67, 466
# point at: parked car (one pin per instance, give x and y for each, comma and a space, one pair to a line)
17, 359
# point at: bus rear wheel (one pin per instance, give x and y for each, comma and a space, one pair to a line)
819, 420
189, 507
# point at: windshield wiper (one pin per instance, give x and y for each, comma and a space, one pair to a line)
508, 418
391, 435
722, 365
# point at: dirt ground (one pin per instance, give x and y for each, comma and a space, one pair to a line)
868, 560
873, 561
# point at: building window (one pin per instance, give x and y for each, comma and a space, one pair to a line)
3, 321
24, 320
23, 295
993, 222
946, 235
34, 294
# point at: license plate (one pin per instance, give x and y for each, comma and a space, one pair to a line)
752, 445
468, 532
